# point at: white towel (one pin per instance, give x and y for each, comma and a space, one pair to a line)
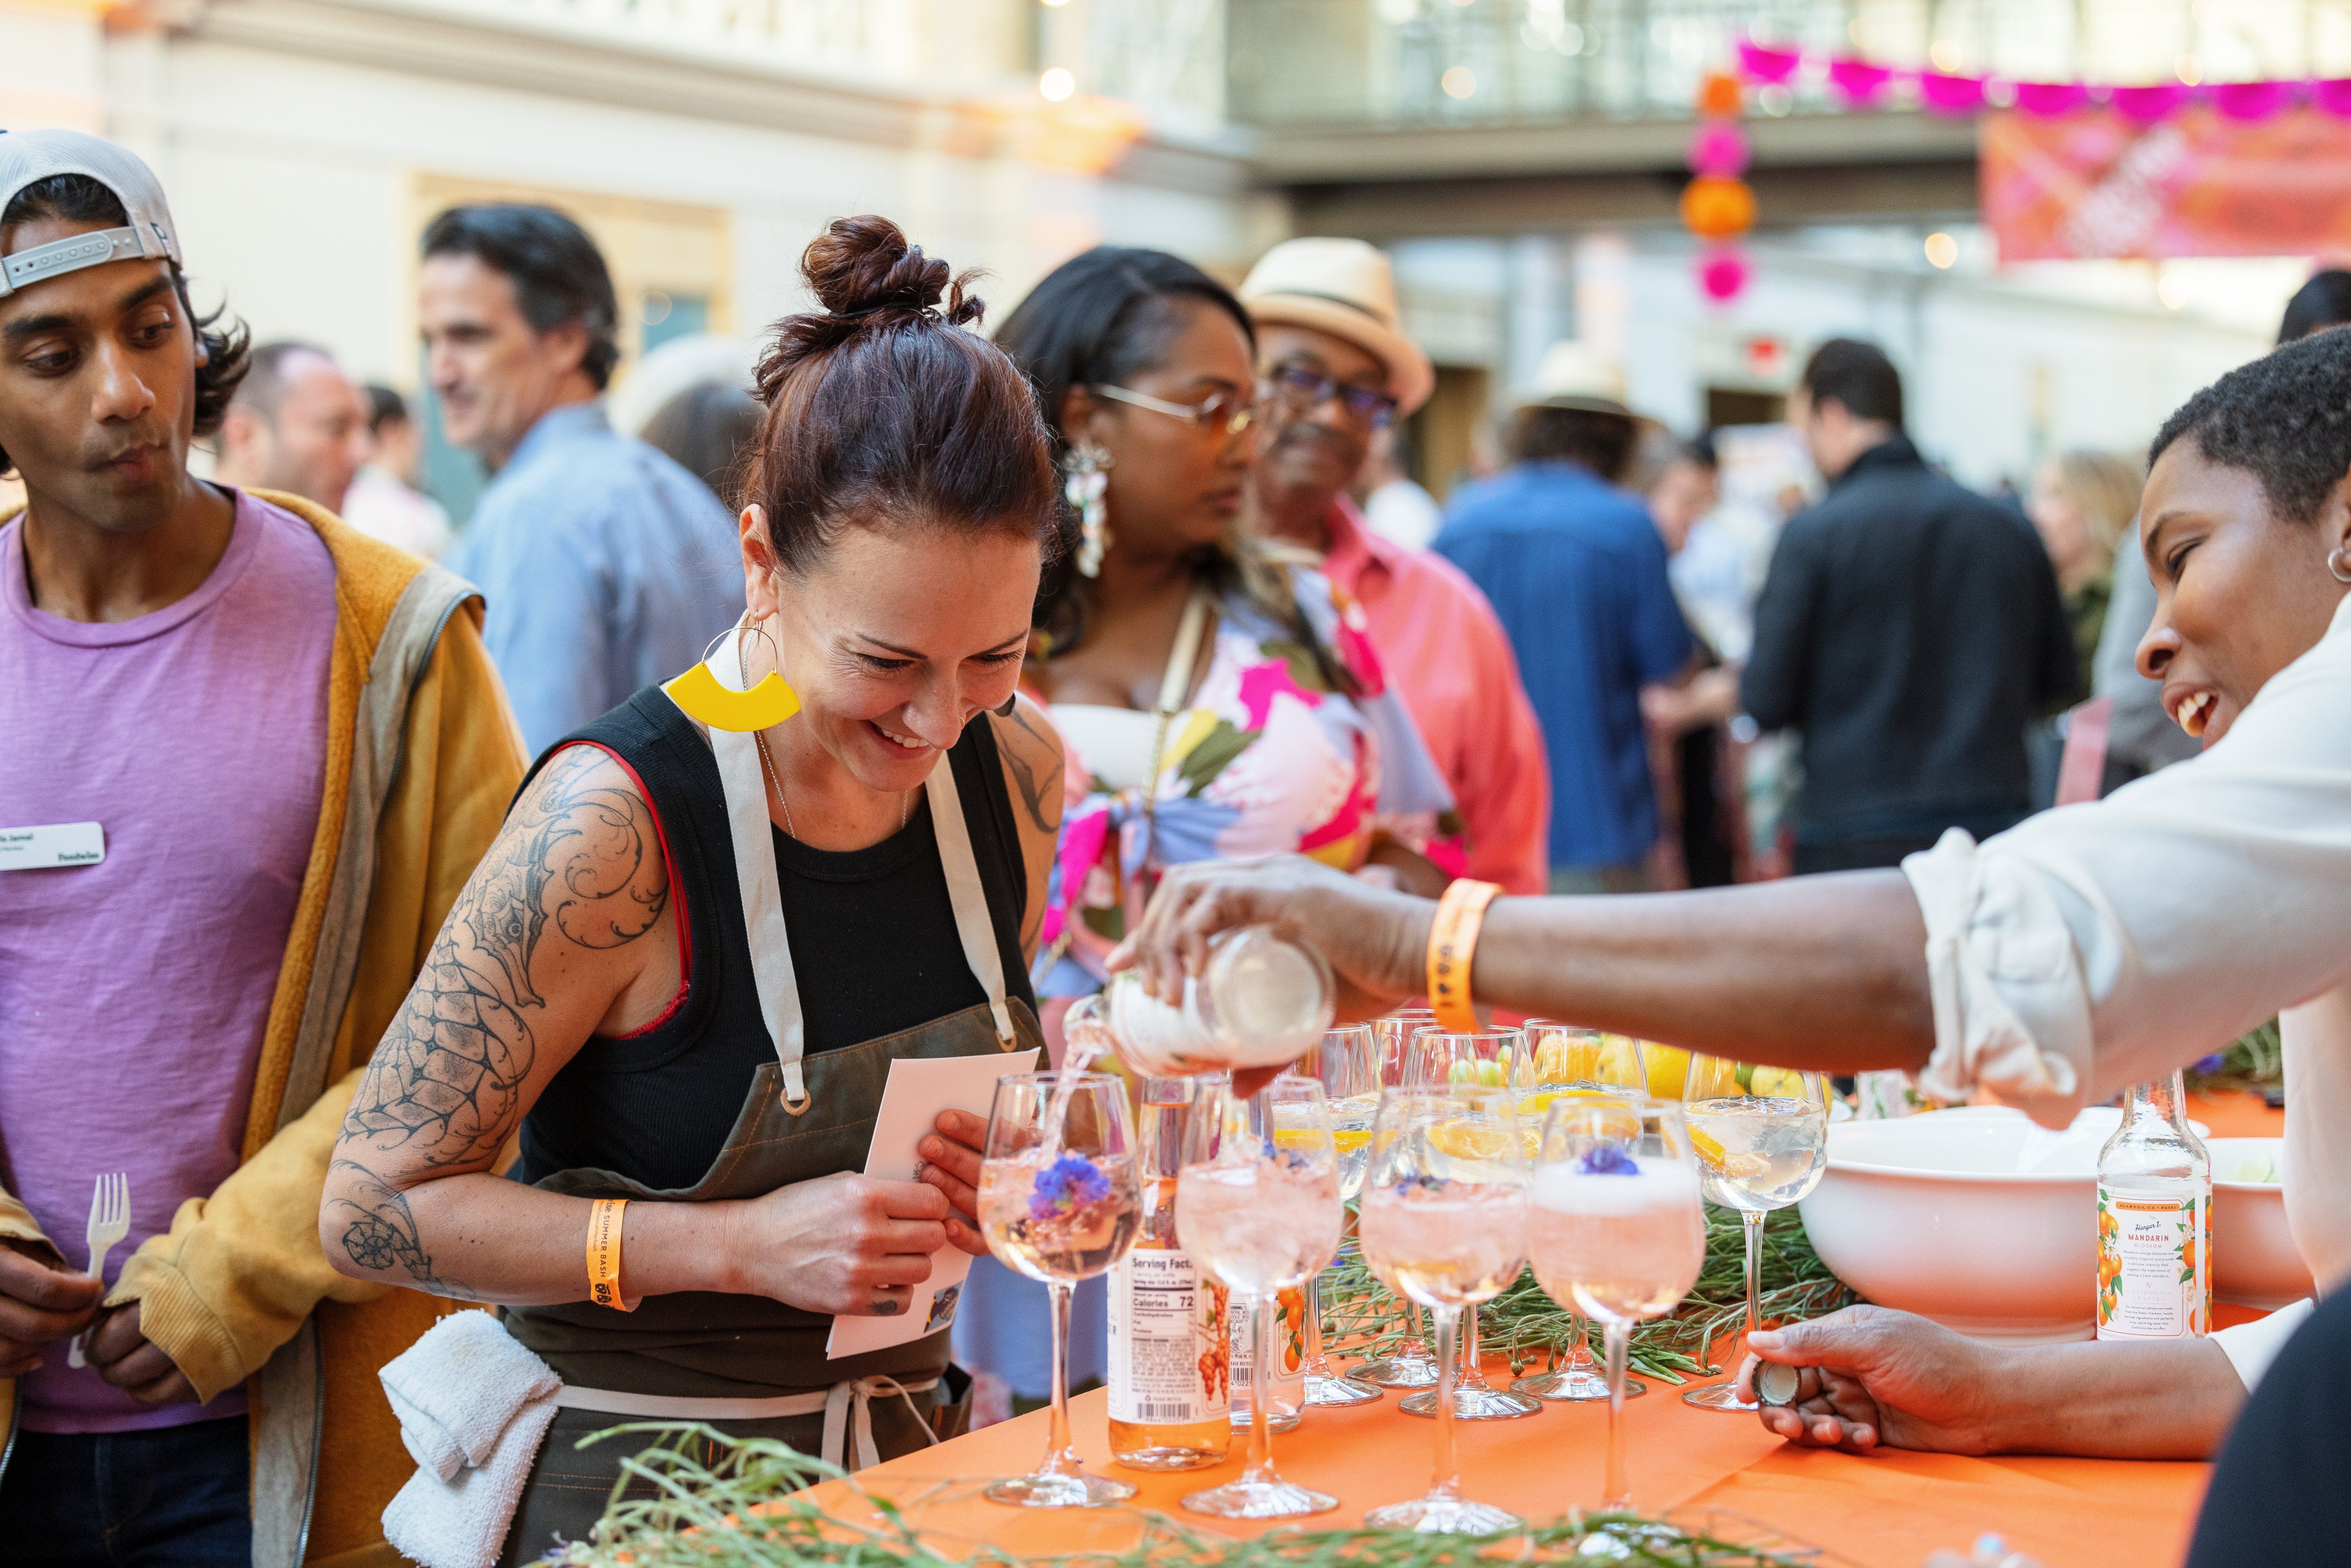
457, 1387
474, 1407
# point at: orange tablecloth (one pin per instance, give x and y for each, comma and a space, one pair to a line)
1886, 1511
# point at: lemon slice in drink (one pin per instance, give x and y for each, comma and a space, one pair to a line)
1467, 1140
1300, 1138
1347, 1140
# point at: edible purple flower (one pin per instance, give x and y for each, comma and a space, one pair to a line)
2208, 1064
1607, 1160
1067, 1184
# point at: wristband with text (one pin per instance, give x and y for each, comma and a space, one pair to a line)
604, 1253
1452, 939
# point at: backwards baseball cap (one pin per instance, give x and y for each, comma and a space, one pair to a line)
29, 157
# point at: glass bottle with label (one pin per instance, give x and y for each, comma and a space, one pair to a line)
1170, 1354
1289, 1381
2155, 1220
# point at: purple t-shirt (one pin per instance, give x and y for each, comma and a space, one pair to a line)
133, 992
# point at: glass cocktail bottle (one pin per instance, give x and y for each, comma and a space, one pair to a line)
1263, 1001
1170, 1355
2155, 1220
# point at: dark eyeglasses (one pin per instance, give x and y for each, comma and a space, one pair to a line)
1223, 414
1305, 390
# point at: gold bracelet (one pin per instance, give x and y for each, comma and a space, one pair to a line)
1452, 939
604, 1254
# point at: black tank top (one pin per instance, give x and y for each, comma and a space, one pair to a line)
873, 938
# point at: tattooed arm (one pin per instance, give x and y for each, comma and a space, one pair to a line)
567, 929
1031, 750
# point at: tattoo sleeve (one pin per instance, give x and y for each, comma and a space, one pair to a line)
1029, 759
443, 1089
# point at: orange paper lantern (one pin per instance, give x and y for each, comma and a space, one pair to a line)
1716, 206
1721, 97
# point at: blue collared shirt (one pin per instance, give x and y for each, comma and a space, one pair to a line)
1576, 574
606, 567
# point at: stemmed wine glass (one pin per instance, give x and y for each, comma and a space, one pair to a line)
1488, 1058
1058, 1202
1616, 1229
1257, 1204
1409, 1366
1760, 1135
1347, 1065
1562, 1061
1445, 1223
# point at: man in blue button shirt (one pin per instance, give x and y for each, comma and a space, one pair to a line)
606, 566
1577, 573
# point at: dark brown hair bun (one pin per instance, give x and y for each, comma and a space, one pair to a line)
883, 412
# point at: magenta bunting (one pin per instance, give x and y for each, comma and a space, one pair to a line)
1867, 84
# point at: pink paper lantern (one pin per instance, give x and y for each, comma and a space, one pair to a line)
2146, 105
2047, 97
1757, 63
2334, 96
1719, 148
1953, 95
1858, 80
2254, 99
1722, 273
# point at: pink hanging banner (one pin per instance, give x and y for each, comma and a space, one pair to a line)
2095, 183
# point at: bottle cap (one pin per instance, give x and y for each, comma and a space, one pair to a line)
1776, 1383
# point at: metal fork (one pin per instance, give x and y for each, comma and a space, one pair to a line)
109, 1222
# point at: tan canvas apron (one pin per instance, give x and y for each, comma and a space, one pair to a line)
747, 1364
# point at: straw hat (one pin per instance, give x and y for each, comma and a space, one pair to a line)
1344, 288
1574, 375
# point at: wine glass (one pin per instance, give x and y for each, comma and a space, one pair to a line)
1347, 1065
1409, 1366
1565, 1060
1444, 1223
1257, 1204
1616, 1229
1058, 1202
1760, 1135
1488, 1058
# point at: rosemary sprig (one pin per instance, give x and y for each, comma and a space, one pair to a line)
739, 1510
1524, 1323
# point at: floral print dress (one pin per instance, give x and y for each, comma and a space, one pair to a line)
1270, 758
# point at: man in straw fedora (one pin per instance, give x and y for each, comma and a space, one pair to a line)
1341, 370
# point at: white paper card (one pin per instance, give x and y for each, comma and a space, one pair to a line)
918, 1090
60, 843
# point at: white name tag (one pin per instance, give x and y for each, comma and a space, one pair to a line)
60, 843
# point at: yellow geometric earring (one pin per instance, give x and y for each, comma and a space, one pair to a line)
708, 700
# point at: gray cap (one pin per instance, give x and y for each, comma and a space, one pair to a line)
28, 157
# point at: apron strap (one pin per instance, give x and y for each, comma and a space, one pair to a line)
848, 1413
973, 926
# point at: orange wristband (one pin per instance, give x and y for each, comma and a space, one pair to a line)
604, 1253
1452, 939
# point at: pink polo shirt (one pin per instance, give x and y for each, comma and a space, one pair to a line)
1446, 654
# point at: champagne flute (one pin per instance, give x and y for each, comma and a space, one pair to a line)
1760, 1135
1347, 1065
1058, 1202
1488, 1058
1616, 1229
1565, 1060
1409, 1366
1445, 1223
1257, 1204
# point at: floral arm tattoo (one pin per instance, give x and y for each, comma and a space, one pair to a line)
444, 1090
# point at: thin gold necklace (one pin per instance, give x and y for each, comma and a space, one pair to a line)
760, 739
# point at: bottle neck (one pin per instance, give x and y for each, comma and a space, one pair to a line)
2162, 1099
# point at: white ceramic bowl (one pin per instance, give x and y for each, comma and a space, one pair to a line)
1974, 1217
2254, 1260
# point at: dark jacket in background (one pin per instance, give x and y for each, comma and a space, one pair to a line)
1910, 628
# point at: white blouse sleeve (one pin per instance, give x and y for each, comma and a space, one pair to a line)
2097, 945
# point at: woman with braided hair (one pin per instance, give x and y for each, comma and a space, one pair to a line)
714, 919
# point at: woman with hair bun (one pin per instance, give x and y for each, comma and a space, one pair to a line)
714, 920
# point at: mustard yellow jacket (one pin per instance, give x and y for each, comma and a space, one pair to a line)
421, 759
